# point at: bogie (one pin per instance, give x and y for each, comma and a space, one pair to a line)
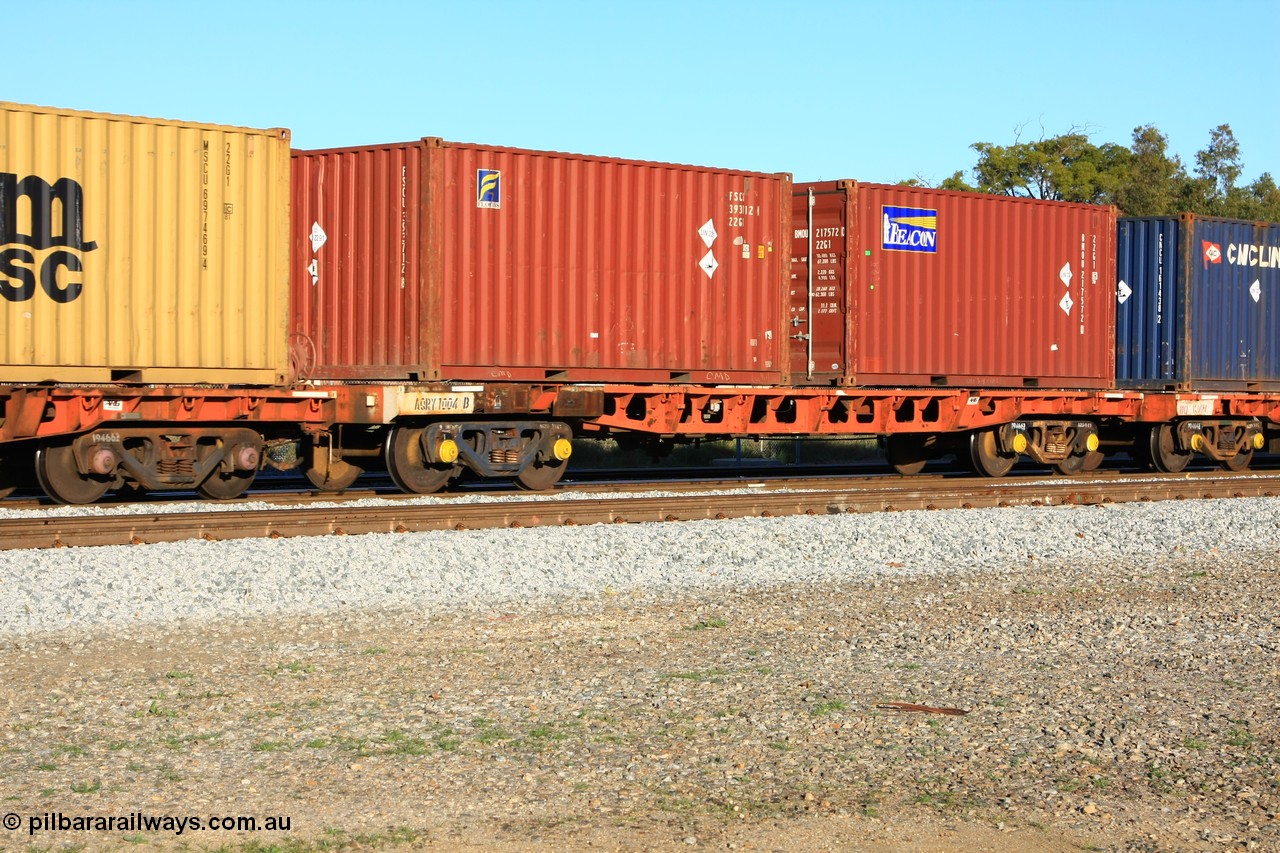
217, 463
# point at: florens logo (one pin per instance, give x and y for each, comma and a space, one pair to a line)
50, 251
488, 188
909, 229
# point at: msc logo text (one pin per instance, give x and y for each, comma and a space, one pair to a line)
51, 250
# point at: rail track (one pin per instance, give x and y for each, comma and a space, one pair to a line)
705, 500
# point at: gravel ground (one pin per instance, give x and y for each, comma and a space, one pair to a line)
119, 586
711, 684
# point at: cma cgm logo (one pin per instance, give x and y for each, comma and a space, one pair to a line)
488, 188
50, 252
1212, 253
909, 229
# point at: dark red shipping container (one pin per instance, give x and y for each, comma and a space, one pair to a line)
440, 260
912, 286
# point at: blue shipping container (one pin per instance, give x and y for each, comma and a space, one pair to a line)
1197, 304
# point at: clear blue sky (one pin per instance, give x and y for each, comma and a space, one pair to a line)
878, 91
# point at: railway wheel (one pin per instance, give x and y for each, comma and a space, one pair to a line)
330, 474
984, 453
539, 476
408, 466
61, 480
905, 453
1076, 463
220, 485
1239, 462
1165, 455
1071, 466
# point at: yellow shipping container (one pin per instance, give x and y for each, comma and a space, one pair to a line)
141, 250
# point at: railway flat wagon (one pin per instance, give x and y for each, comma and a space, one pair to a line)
942, 322
1198, 304
486, 281
435, 260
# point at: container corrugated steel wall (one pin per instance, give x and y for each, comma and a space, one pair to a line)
1149, 314
142, 250
357, 284
598, 263
502, 263
1198, 304
968, 289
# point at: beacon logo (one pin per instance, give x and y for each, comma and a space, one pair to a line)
909, 229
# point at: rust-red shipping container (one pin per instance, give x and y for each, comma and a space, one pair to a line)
898, 285
442, 260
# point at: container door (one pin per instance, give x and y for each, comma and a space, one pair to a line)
816, 322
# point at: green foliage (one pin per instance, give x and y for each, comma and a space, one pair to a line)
1156, 181
1259, 201
1217, 168
1141, 180
1061, 168
958, 183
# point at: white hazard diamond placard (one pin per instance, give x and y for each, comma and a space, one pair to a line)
318, 237
1255, 290
1123, 292
708, 264
1065, 273
1066, 303
708, 233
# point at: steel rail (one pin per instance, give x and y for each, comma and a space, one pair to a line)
906, 494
